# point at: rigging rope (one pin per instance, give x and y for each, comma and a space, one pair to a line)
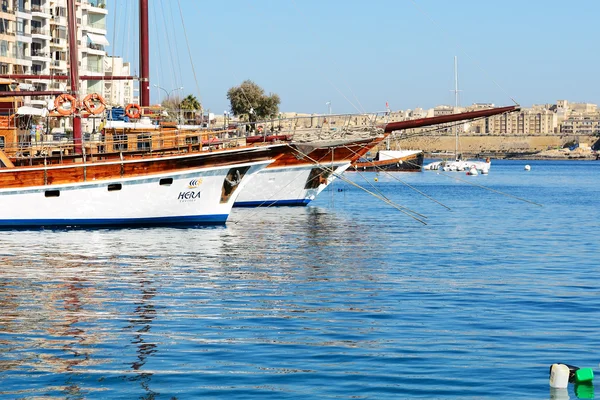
405, 210
490, 189
112, 68
159, 66
262, 205
180, 84
405, 183
169, 41
190, 53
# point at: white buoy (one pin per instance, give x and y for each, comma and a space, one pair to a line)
527, 167
484, 171
559, 376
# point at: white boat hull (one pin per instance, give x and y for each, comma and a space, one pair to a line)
193, 196
457, 166
286, 186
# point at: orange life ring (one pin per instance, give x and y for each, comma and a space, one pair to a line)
133, 114
60, 102
94, 103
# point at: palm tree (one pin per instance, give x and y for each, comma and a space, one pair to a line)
190, 105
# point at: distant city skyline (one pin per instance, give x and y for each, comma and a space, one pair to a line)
359, 55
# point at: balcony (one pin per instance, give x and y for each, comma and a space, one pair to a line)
5, 9
39, 11
95, 6
58, 64
58, 42
58, 20
95, 49
41, 32
24, 8
38, 55
21, 55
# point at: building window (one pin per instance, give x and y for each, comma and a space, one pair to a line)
20, 26
4, 26
20, 50
3, 48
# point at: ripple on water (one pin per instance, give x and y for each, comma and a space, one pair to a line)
345, 299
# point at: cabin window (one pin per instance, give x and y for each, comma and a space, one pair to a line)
144, 141
114, 186
166, 181
52, 193
120, 142
192, 140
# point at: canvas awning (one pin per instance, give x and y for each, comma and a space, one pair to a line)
97, 39
27, 110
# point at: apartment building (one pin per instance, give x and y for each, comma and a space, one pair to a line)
33, 40
537, 120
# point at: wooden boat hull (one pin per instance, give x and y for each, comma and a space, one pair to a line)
410, 163
173, 191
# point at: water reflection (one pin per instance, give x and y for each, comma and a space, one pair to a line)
140, 324
43, 320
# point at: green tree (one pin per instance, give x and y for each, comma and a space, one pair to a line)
190, 105
249, 102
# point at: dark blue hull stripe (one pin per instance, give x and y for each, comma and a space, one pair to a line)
217, 219
269, 203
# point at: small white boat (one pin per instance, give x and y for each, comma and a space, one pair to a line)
459, 166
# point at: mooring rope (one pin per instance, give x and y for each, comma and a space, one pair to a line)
406, 184
402, 209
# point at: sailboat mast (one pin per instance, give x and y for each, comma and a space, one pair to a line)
144, 55
74, 73
456, 107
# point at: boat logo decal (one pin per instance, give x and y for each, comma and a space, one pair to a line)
191, 195
194, 183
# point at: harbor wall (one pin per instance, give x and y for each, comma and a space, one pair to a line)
497, 146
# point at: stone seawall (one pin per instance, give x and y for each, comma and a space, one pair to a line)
496, 146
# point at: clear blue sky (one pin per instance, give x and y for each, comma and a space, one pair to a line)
360, 54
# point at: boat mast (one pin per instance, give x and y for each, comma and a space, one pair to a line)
74, 73
456, 107
144, 56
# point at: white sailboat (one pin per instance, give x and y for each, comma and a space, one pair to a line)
473, 167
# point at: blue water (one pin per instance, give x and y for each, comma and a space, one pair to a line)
348, 298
